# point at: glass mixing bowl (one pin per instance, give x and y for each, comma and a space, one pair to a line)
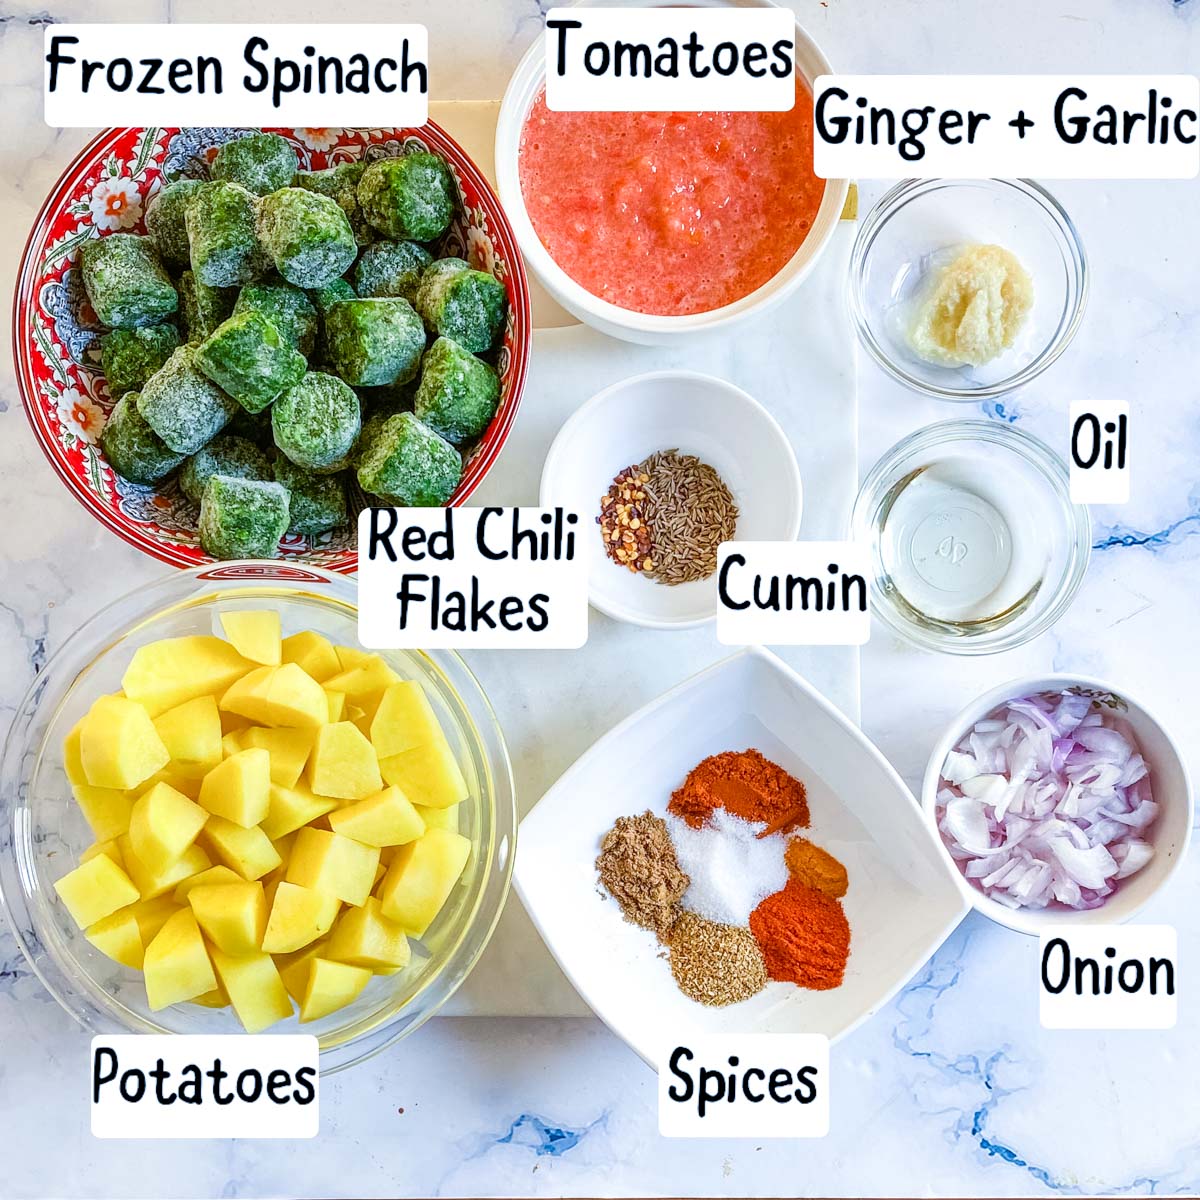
42, 830
916, 227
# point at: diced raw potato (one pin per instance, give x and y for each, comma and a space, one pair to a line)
291, 808
337, 705
254, 988
294, 968
73, 756
177, 965
217, 874
255, 634
343, 763
247, 851
364, 937
330, 986
333, 864
239, 788
384, 819
95, 889
106, 810
421, 878
368, 678
404, 720
152, 915
109, 848
163, 674
217, 998
232, 723
118, 936
164, 823
119, 745
231, 743
155, 883
282, 695
350, 657
181, 780
289, 750
429, 775
312, 653
191, 732
283, 847
439, 818
233, 916
299, 915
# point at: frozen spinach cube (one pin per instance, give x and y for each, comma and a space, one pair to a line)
340, 183
373, 342
408, 464
202, 308
334, 292
224, 455
316, 423
182, 405
287, 308
221, 226
246, 357
391, 269
458, 393
260, 162
318, 502
408, 198
307, 236
254, 427
126, 282
130, 356
166, 221
458, 302
242, 518
133, 449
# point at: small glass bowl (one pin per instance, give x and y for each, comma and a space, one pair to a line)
920, 545
921, 221
42, 830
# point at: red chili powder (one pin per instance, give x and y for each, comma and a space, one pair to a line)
804, 937
746, 784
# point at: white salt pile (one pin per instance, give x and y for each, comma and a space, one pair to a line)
731, 868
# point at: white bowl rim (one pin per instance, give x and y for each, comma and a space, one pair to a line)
798, 681
794, 482
1033, 921
577, 298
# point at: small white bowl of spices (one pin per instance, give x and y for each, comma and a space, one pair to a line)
667, 466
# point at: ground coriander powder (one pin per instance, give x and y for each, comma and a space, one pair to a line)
715, 964
637, 865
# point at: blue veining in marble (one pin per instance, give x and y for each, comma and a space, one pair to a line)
543, 1138
1121, 535
997, 410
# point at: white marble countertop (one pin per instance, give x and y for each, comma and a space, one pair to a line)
953, 1089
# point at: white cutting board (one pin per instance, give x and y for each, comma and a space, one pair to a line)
798, 360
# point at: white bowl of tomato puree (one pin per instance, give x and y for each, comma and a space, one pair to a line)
656, 226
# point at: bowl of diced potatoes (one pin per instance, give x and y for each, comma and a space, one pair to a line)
220, 813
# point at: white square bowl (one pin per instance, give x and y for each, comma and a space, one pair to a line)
902, 903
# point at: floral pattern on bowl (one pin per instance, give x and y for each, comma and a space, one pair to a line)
56, 334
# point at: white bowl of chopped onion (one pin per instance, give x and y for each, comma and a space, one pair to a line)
1059, 800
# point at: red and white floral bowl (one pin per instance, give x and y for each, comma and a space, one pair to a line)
56, 333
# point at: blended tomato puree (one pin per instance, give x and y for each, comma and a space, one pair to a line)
670, 213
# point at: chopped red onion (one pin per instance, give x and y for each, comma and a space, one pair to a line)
1046, 801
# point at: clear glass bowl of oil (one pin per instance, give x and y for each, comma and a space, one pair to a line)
42, 830
975, 544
